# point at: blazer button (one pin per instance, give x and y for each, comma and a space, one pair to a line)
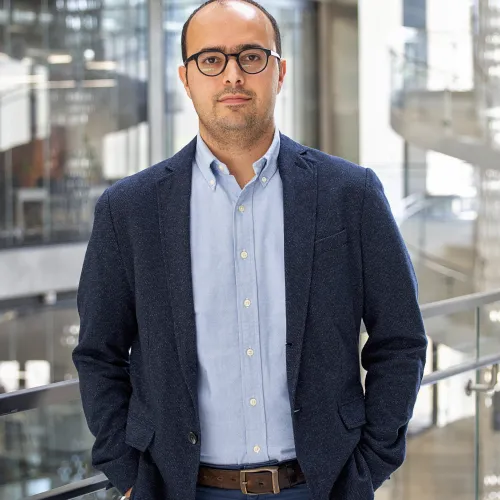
193, 438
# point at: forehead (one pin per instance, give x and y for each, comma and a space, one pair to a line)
229, 26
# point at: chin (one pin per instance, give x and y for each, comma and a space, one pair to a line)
233, 125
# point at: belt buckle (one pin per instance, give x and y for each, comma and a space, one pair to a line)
274, 475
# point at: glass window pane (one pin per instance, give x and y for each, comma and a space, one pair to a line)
43, 449
73, 113
36, 345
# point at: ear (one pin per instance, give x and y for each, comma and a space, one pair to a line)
184, 79
282, 70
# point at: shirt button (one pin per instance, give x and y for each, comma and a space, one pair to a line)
193, 438
250, 352
244, 254
253, 402
212, 182
247, 303
264, 179
241, 208
256, 448
221, 168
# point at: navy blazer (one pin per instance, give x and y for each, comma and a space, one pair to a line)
345, 261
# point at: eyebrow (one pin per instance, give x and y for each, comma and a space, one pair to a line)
237, 48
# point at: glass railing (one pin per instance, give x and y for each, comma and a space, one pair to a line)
36, 343
453, 452
439, 234
453, 438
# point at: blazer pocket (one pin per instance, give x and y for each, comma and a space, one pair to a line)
138, 433
330, 242
353, 413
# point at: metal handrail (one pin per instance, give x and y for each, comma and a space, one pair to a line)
60, 392
73, 490
459, 304
36, 397
438, 376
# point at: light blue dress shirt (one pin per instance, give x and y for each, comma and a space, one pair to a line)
237, 255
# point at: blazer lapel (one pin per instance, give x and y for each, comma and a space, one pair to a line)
299, 205
174, 196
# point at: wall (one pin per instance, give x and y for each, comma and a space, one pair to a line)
380, 147
33, 271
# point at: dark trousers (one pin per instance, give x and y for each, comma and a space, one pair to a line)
299, 492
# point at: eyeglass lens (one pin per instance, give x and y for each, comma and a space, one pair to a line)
251, 60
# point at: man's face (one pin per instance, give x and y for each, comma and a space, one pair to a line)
228, 27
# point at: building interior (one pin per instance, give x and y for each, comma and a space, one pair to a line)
90, 94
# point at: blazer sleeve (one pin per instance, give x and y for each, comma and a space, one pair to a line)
107, 327
394, 354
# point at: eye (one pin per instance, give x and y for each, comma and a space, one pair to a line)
252, 57
211, 60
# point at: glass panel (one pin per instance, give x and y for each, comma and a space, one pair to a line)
440, 236
111, 494
438, 101
36, 346
73, 99
488, 407
43, 449
453, 437
440, 461
454, 338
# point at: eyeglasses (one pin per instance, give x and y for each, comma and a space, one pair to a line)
214, 62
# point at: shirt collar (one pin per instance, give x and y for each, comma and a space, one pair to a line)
209, 165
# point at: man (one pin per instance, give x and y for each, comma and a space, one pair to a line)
222, 295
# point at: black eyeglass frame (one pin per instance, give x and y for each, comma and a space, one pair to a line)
268, 52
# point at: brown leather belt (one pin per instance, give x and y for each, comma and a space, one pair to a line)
262, 480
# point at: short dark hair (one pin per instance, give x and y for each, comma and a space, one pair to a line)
277, 34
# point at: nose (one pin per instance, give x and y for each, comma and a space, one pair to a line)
233, 74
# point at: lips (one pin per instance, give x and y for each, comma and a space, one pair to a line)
234, 99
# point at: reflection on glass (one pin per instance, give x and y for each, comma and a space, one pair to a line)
36, 346
73, 99
111, 494
43, 449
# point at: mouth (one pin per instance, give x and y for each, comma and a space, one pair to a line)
235, 100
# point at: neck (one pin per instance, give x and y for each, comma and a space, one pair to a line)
241, 152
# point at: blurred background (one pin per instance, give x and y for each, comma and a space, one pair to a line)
89, 93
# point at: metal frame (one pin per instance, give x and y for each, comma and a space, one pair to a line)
438, 376
156, 83
73, 490
30, 399
459, 304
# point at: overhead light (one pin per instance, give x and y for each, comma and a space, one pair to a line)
99, 83
59, 59
89, 54
22, 79
495, 316
101, 65
60, 84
